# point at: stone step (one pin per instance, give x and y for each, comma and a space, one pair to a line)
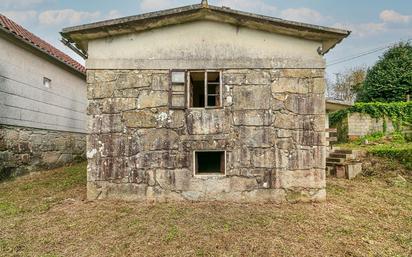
335, 160
333, 164
342, 155
353, 170
330, 170
346, 171
343, 151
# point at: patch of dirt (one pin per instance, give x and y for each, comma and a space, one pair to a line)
384, 168
48, 215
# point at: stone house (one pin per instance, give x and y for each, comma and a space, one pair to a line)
205, 103
42, 103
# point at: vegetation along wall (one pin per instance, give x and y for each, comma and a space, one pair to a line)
367, 118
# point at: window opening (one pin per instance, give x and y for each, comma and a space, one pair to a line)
209, 163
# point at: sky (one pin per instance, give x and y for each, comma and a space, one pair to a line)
375, 24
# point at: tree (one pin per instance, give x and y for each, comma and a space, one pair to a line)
347, 84
390, 79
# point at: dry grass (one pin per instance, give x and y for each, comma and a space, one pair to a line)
46, 214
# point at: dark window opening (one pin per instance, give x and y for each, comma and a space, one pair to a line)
205, 89
197, 82
210, 163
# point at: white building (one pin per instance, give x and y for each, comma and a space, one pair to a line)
42, 103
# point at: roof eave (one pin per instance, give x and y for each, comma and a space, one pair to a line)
80, 35
36, 48
333, 105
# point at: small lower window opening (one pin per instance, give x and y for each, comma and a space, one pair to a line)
210, 163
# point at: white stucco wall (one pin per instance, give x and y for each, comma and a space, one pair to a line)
203, 44
25, 101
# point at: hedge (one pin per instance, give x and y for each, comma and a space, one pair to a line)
400, 153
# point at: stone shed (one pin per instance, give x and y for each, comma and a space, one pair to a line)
205, 103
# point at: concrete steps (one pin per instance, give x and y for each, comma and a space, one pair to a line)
335, 160
342, 151
341, 155
343, 163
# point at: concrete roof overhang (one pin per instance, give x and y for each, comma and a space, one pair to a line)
79, 36
336, 105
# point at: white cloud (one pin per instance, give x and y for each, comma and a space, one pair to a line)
303, 15
156, 5
21, 16
363, 29
19, 3
67, 17
113, 14
391, 22
257, 6
391, 16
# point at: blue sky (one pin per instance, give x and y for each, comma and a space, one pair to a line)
375, 23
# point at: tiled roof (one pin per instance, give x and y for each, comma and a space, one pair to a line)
37, 42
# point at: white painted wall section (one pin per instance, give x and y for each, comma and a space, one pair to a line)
25, 101
203, 44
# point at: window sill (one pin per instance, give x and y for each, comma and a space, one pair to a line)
205, 108
210, 175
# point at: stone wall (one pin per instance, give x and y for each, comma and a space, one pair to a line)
360, 124
25, 149
272, 128
356, 125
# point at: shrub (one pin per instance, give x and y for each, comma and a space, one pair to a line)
401, 153
375, 137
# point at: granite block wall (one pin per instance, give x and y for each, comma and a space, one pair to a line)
271, 127
24, 149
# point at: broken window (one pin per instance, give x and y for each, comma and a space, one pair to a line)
177, 90
210, 163
205, 89
197, 89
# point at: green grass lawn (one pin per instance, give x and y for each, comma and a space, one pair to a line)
46, 214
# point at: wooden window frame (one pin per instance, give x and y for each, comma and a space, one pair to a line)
171, 90
189, 95
220, 174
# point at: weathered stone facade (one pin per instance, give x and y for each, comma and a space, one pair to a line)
272, 128
24, 149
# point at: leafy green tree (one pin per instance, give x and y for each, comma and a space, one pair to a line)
390, 79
